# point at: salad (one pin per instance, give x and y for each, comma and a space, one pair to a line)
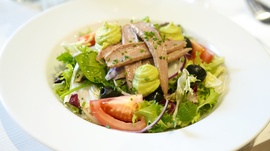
140, 77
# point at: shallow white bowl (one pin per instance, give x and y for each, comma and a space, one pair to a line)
28, 63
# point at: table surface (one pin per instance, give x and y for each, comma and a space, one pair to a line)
13, 15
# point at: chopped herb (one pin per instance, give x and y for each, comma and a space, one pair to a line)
146, 38
159, 42
133, 90
156, 26
107, 126
147, 79
182, 59
162, 57
83, 104
127, 57
150, 34
134, 45
115, 61
142, 50
130, 41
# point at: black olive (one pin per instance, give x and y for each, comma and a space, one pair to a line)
197, 71
156, 95
107, 92
59, 79
188, 45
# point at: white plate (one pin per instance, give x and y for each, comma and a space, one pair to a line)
28, 60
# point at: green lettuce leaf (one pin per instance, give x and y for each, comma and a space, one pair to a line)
91, 68
208, 98
67, 58
187, 111
65, 77
76, 47
150, 110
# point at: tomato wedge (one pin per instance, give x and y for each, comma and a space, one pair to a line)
110, 117
206, 55
88, 38
121, 108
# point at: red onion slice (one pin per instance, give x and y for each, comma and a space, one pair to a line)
175, 66
156, 120
113, 72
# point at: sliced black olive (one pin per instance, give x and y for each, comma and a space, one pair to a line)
188, 45
197, 71
59, 79
107, 92
156, 95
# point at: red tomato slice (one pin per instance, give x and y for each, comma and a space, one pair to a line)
206, 55
121, 108
88, 38
108, 116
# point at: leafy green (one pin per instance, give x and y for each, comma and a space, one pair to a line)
91, 68
146, 19
183, 87
67, 58
121, 85
65, 78
74, 109
208, 98
84, 48
172, 83
187, 111
211, 81
151, 110
214, 64
75, 89
77, 47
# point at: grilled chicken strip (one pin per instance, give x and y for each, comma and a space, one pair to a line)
177, 54
130, 72
171, 57
128, 36
155, 45
133, 52
104, 52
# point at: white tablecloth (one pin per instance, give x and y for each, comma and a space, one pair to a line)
13, 15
